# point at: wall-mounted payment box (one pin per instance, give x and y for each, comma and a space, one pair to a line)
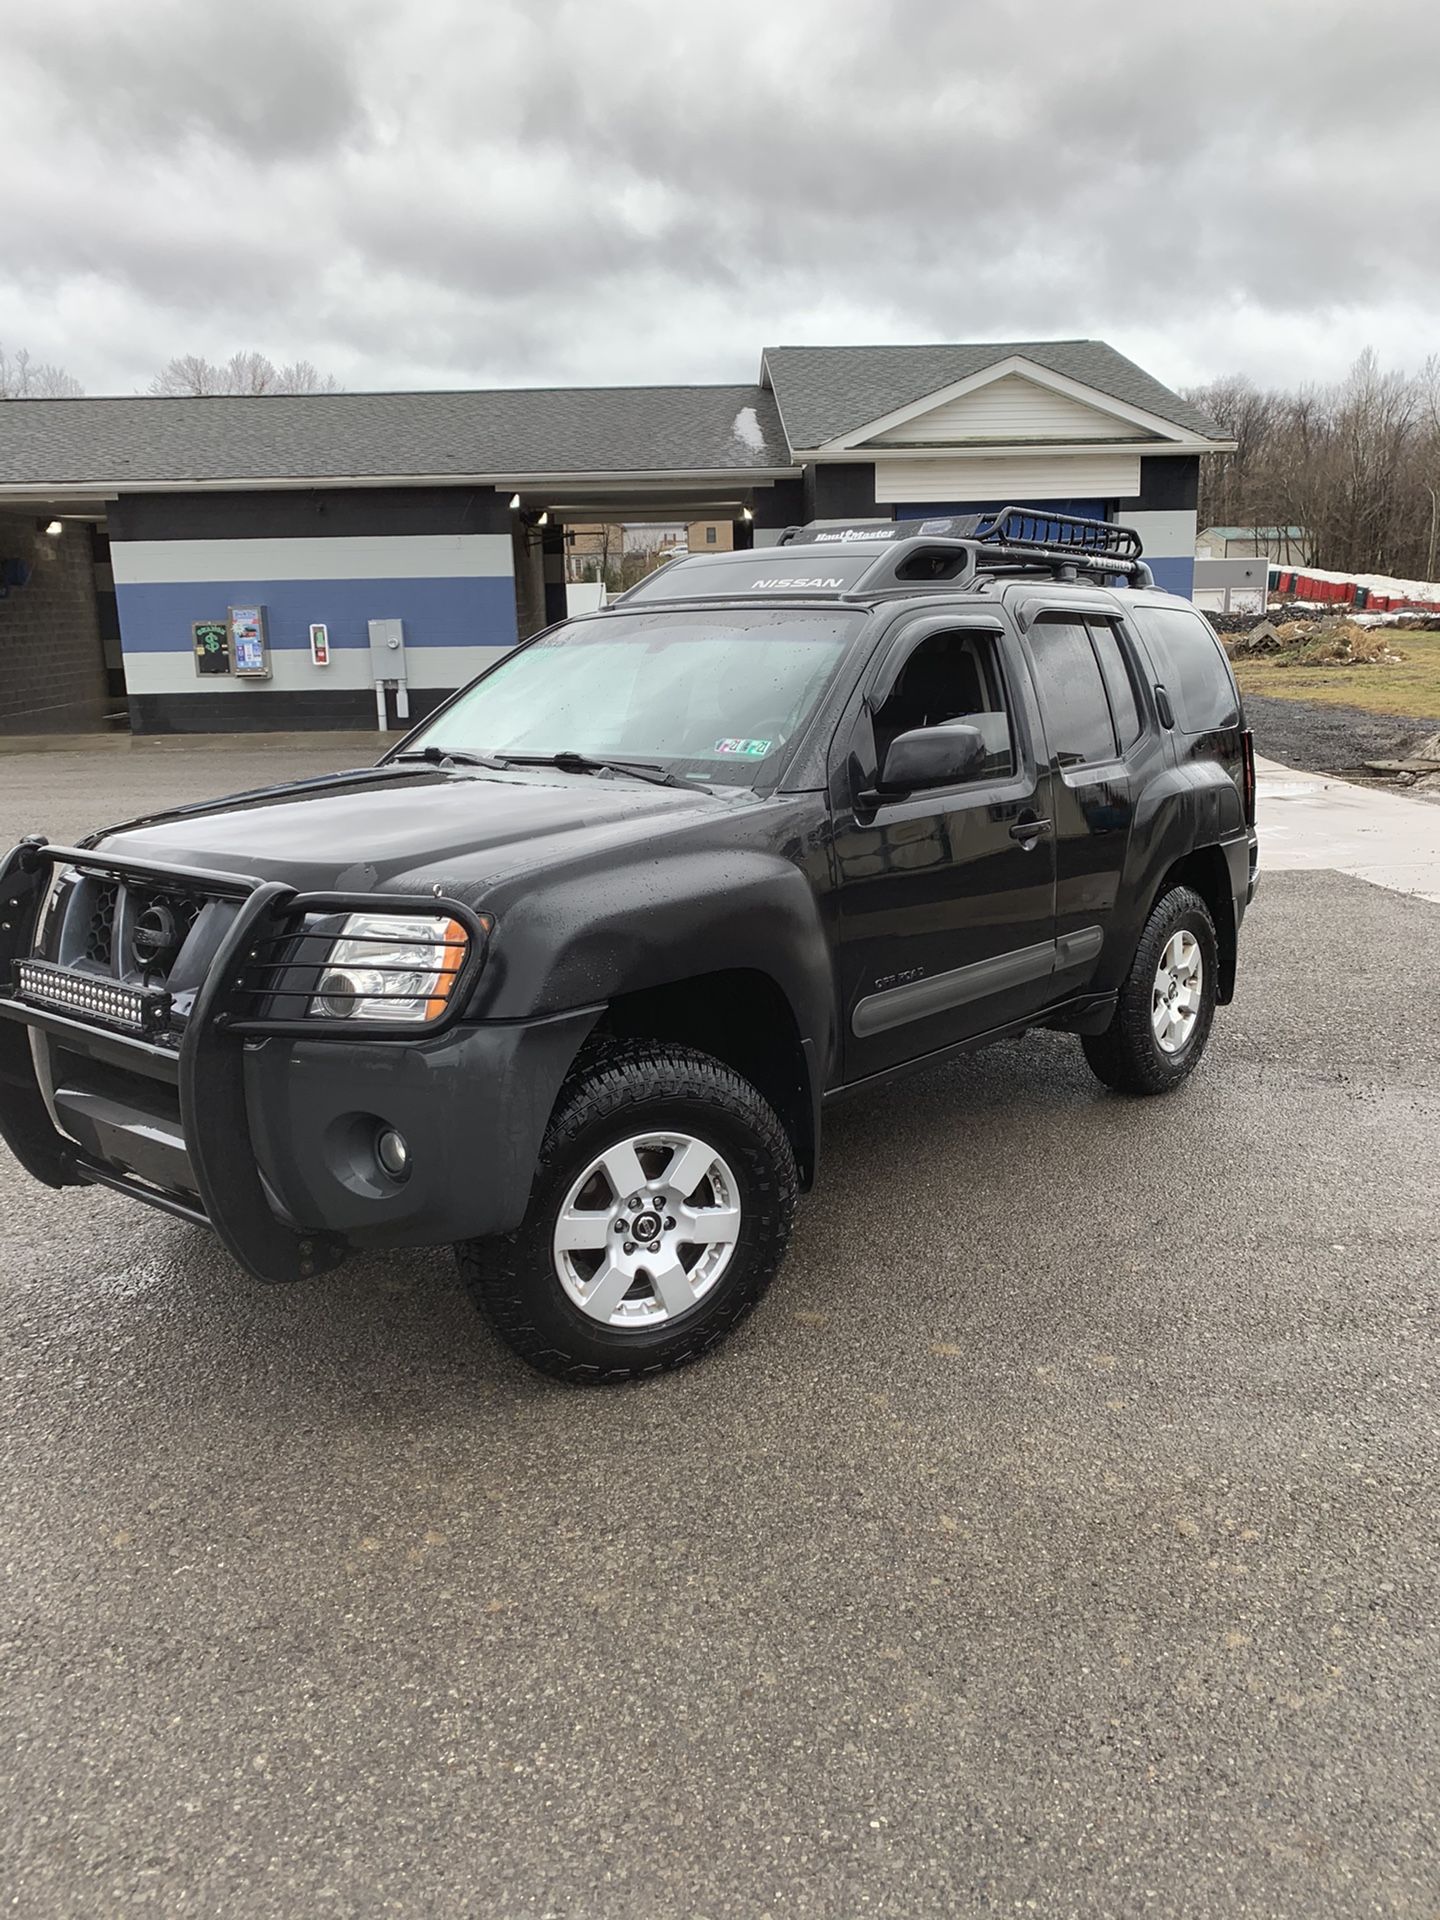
249, 644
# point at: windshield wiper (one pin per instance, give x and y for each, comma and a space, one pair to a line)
453, 757
571, 762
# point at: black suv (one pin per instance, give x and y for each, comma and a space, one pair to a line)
568, 978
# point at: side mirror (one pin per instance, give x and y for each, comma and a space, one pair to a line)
944, 756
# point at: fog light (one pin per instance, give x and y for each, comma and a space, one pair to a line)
392, 1153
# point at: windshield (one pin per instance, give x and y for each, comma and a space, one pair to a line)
713, 696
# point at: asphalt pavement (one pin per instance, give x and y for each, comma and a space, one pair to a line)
1059, 1537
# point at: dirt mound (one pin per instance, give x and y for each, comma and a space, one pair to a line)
1314, 643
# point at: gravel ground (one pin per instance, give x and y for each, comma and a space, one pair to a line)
1060, 1537
1326, 739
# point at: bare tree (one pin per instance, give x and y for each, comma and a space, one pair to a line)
1355, 465
25, 379
1429, 455
191, 373
1374, 416
1228, 481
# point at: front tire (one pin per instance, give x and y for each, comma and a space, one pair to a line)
1166, 1006
661, 1209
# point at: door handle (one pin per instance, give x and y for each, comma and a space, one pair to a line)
1027, 832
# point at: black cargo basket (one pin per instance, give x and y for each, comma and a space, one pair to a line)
1031, 528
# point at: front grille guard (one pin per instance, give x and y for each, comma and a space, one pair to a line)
234, 1004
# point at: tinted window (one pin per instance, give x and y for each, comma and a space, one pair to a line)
951, 676
1072, 694
1118, 683
1190, 666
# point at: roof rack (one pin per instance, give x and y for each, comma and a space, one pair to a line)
900, 556
1016, 539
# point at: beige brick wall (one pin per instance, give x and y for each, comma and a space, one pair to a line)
724, 536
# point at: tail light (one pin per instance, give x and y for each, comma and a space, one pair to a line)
1247, 755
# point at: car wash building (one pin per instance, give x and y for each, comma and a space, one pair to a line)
321, 560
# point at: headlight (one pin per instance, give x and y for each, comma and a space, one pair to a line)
391, 966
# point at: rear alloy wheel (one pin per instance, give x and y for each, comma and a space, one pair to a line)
1163, 1015
661, 1209
1177, 992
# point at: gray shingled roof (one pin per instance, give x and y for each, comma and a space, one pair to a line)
393, 435
825, 392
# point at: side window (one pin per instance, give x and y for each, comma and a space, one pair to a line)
1078, 726
951, 676
1191, 666
1118, 684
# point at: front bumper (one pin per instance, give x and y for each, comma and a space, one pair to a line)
269, 1137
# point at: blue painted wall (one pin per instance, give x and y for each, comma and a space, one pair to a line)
1176, 574
467, 612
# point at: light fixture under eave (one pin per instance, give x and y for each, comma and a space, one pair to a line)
514, 503
747, 513
54, 526
544, 520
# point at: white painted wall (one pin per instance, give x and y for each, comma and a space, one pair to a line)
403, 556
292, 670
584, 596
990, 476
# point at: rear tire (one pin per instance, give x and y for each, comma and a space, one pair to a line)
661, 1209
1167, 1004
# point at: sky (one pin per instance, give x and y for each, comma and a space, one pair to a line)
442, 193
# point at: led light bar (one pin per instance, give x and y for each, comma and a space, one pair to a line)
136, 1009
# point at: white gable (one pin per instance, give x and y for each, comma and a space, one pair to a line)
1004, 411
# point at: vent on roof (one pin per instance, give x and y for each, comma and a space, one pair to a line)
934, 563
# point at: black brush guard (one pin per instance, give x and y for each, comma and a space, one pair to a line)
266, 961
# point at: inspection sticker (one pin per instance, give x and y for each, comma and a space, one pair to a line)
759, 748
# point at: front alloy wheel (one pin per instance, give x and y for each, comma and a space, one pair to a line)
647, 1229
660, 1211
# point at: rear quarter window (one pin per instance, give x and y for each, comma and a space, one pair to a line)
1191, 666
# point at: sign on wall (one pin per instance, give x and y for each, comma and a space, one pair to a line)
249, 649
212, 646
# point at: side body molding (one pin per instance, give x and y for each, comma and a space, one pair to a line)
918, 999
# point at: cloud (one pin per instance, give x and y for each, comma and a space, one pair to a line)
456, 193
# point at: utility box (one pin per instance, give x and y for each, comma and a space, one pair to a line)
387, 649
387, 668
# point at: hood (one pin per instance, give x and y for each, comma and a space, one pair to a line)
411, 831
